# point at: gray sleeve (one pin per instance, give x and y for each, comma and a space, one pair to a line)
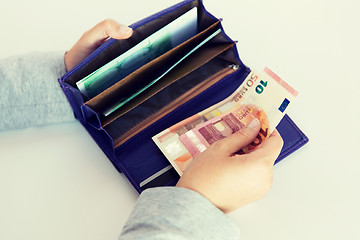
30, 94
177, 213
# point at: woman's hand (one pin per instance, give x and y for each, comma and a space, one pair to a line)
229, 180
93, 38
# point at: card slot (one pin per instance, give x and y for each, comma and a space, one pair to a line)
108, 98
142, 30
118, 141
195, 61
167, 100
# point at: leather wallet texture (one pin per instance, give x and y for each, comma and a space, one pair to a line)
198, 82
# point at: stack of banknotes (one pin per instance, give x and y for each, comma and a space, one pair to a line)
264, 96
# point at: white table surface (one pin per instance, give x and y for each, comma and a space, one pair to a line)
55, 183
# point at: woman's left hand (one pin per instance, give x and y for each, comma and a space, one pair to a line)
93, 38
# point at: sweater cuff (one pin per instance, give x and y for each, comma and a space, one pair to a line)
30, 94
183, 211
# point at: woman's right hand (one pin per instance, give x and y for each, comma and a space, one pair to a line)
229, 180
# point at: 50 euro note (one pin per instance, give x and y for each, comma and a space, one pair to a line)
263, 96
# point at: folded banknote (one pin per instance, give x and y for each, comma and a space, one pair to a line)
264, 96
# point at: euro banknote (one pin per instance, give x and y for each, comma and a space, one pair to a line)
150, 48
264, 96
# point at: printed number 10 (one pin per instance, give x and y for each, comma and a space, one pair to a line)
260, 88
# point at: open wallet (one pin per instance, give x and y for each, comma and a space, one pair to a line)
188, 84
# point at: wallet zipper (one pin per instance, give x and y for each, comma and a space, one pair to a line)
177, 103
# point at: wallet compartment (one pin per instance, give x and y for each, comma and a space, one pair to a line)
143, 76
166, 101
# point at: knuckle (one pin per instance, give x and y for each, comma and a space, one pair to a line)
265, 167
266, 187
85, 36
280, 142
269, 184
107, 22
266, 171
242, 134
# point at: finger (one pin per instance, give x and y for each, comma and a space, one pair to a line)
270, 149
104, 30
116, 30
233, 143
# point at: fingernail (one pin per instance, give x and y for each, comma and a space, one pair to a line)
125, 30
254, 123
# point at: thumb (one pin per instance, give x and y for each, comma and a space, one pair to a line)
93, 38
240, 139
104, 30
116, 30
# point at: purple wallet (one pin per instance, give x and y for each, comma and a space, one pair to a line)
198, 82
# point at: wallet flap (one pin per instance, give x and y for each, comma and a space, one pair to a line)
293, 137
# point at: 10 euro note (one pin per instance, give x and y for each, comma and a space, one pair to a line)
263, 96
